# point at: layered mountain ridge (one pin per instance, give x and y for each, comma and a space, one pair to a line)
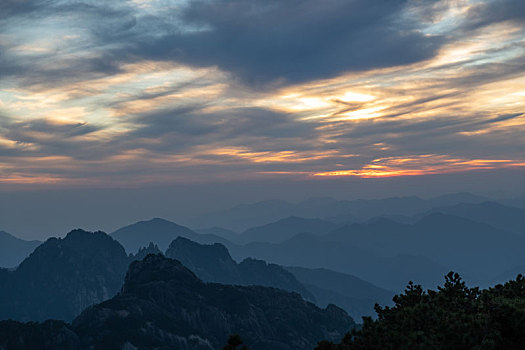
163, 304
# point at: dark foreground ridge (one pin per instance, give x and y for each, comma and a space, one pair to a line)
453, 317
164, 305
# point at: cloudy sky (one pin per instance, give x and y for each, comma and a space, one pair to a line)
158, 92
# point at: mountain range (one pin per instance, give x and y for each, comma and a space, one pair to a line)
161, 232
162, 304
213, 263
284, 229
246, 216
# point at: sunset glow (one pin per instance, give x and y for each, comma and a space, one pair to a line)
74, 96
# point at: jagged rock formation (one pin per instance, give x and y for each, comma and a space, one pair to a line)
213, 263
145, 251
164, 305
63, 276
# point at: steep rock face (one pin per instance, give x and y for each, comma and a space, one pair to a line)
213, 263
64, 276
163, 304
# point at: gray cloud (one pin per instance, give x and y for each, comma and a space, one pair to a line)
260, 42
496, 11
176, 130
265, 42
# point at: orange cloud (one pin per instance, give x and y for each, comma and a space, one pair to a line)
421, 165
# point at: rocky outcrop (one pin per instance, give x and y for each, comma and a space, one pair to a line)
164, 305
63, 276
213, 263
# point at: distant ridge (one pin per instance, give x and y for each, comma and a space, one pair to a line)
13, 250
491, 213
351, 293
284, 229
245, 216
213, 263
159, 231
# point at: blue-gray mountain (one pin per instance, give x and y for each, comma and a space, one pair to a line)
307, 250
213, 263
386, 252
490, 213
245, 216
284, 229
64, 276
13, 250
164, 305
159, 231
476, 250
353, 294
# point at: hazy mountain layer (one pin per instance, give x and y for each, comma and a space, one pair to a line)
310, 251
284, 229
63, 276
491, 213
353, 294
476, 250
164, 305
213, 263
245, 216
13, 250
159, 231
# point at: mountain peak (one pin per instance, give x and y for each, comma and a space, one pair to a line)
156, 230
157, 268
185, 243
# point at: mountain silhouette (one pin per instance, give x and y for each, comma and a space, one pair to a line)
491, 213
13, 250
307, 250
213, 263
164, 305
245, 216
63, 276
220, 232
351, 293
158, 231
163, 302
284, 229
476, 250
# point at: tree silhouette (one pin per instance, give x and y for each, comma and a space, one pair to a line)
453, 317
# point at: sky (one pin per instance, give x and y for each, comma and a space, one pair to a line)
157, 93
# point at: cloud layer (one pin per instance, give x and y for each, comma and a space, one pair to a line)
134, 92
